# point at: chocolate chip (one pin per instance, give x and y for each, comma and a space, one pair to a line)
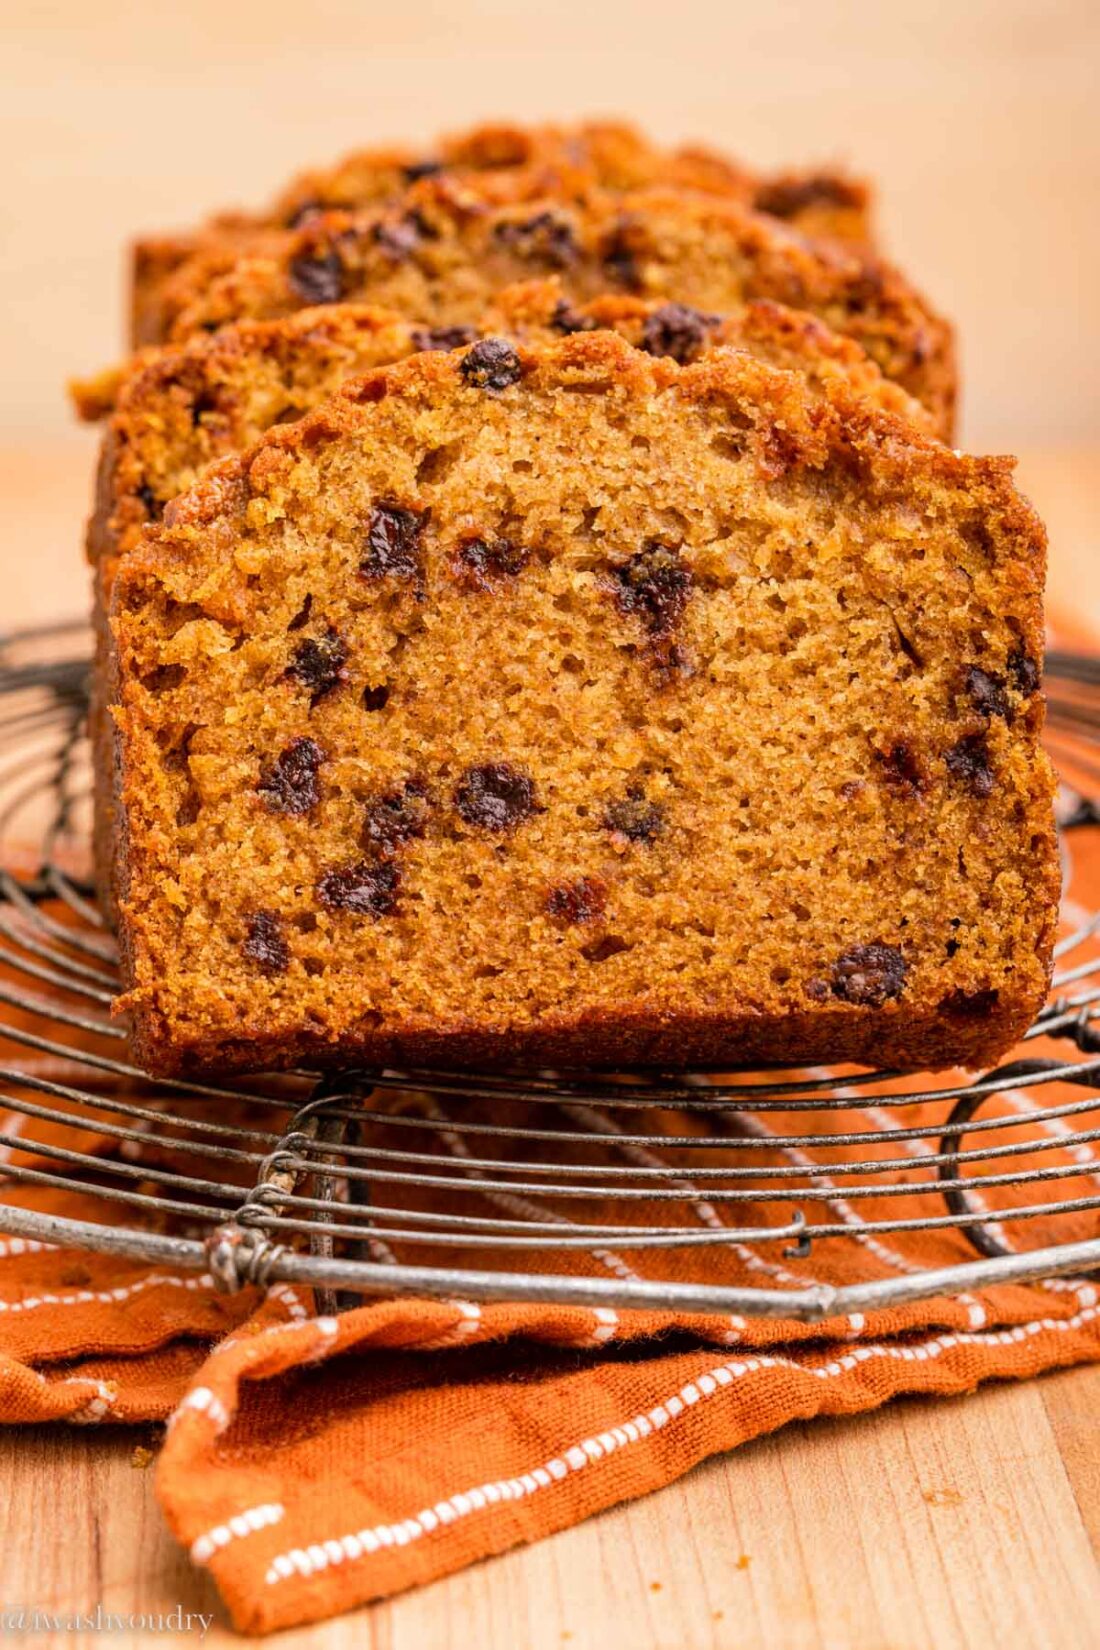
319, 663
620, 259
969, 1005
319, 278
483, 564
422, 169
577, 902
399, 237
868, 974
568, 320
865, 290
492, 364
149, 501
635, 818
678, 331
495, 796
969, 760
393, 543
1026, 672
986, 692
443, 338
370, 890
788, 196
289, 785
545, 239
264, 943
653, 586
395, 817
902, 769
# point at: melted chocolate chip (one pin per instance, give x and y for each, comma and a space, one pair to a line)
492, 364
868, 974
677, 331
422, 169
969, 761
902, 769
319, 663
149, 501
986, 692
577, 902
495, 796
864, 290
545, 239
370, 890
443, 338
289, 785
395, 817
653, 586
393, 543
483, 564
399, 237
319, 278
635, 818
620, 260
1026, 672
568, 320
264, 943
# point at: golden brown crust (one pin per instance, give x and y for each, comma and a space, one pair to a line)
442, 257
517, 163
843, 697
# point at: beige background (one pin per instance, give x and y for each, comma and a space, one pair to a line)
964, 1524
978, 118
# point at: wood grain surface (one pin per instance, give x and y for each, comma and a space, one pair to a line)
962, 1524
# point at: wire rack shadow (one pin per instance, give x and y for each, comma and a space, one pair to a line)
677, 1191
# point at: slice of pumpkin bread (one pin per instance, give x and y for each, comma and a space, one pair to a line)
442, 257
566, 705
517, 163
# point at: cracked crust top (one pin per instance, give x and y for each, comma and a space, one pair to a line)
517, 163
443, 254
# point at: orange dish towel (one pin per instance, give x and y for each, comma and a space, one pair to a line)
313, 1463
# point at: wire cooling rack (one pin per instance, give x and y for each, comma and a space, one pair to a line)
607, 1192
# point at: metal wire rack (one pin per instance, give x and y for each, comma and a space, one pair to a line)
723, 1192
